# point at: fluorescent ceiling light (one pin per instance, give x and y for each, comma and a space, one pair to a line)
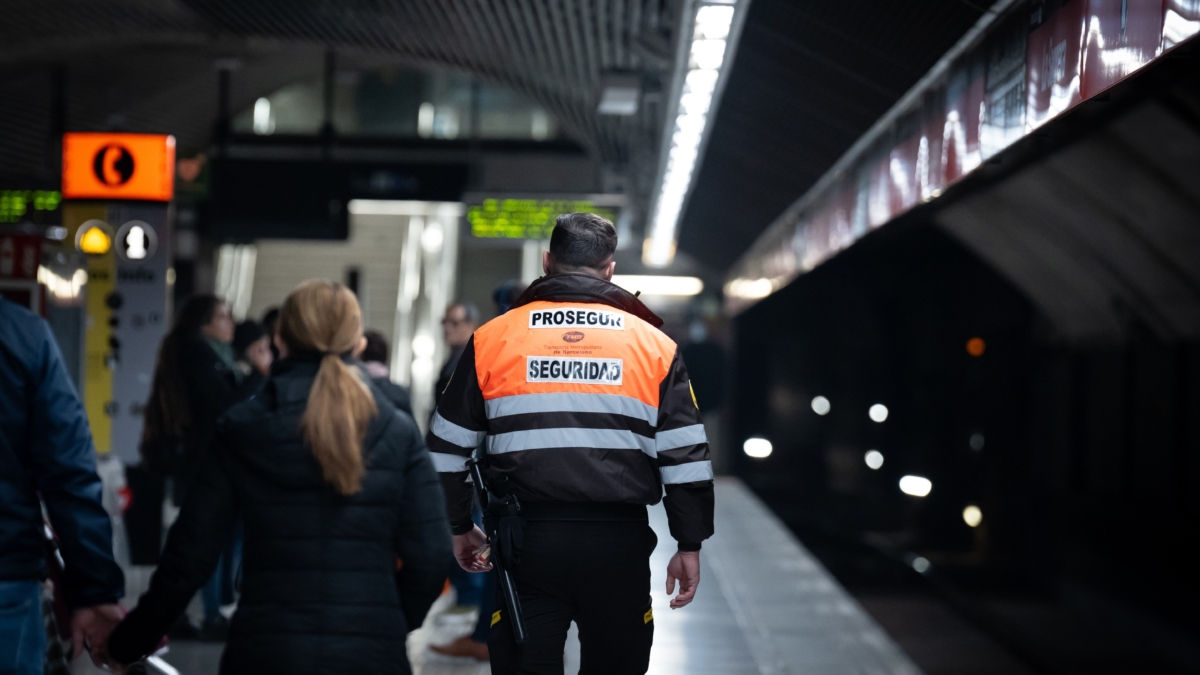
659, 285
713, 21
264, 123
426, 114
708, 54
686, 131
618, 101
751, 289
620, 94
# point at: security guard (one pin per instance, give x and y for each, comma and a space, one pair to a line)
588, 414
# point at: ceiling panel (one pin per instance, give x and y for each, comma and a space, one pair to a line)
133, 60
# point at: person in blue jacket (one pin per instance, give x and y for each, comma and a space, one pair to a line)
46, 450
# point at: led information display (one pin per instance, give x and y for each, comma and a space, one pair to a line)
18, 205
526, 218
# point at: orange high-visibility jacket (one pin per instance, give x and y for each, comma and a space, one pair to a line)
577, 397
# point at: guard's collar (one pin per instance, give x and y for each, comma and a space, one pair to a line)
571, 287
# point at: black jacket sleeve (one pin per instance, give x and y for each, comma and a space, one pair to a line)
422, 538
213, 388
63, 468
194, 546
459, 425
683, 460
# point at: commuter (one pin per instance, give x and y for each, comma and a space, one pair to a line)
375, 357
461, 319
332, 484
270, 322
506, 294
196, 379
46, 448
474, 645
587, 413
252, 354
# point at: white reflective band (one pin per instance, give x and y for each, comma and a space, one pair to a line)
536, 439
680, 438
687, 473
521, 404
452, 433
444, 462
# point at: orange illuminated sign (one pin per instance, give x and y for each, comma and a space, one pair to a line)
118, 166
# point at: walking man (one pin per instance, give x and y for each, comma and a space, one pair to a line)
588, 415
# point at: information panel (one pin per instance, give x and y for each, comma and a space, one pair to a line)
503, 218
37, 206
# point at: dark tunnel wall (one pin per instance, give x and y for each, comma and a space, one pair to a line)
887, 323
1089, 472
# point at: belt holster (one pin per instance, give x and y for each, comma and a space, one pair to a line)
502, 519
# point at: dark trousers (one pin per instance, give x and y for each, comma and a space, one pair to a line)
596, 574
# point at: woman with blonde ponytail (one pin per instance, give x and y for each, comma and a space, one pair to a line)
333, 485
323, 318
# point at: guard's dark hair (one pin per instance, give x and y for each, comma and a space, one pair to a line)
377, 347
167, 413
582, 240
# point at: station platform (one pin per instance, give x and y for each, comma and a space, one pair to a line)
765, 607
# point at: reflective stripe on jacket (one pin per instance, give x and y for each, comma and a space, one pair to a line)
578, 397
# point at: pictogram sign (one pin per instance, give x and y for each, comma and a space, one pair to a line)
118, 166
136, 241
94, 238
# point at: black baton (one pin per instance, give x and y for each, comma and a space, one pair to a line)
511, 600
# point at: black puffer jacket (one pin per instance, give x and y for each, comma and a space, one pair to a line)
320, 591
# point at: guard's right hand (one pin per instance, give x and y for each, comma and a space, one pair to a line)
465, 548
684, 566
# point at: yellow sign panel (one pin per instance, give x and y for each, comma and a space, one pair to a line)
80, 220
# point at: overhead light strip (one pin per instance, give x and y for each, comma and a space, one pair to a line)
702, 65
